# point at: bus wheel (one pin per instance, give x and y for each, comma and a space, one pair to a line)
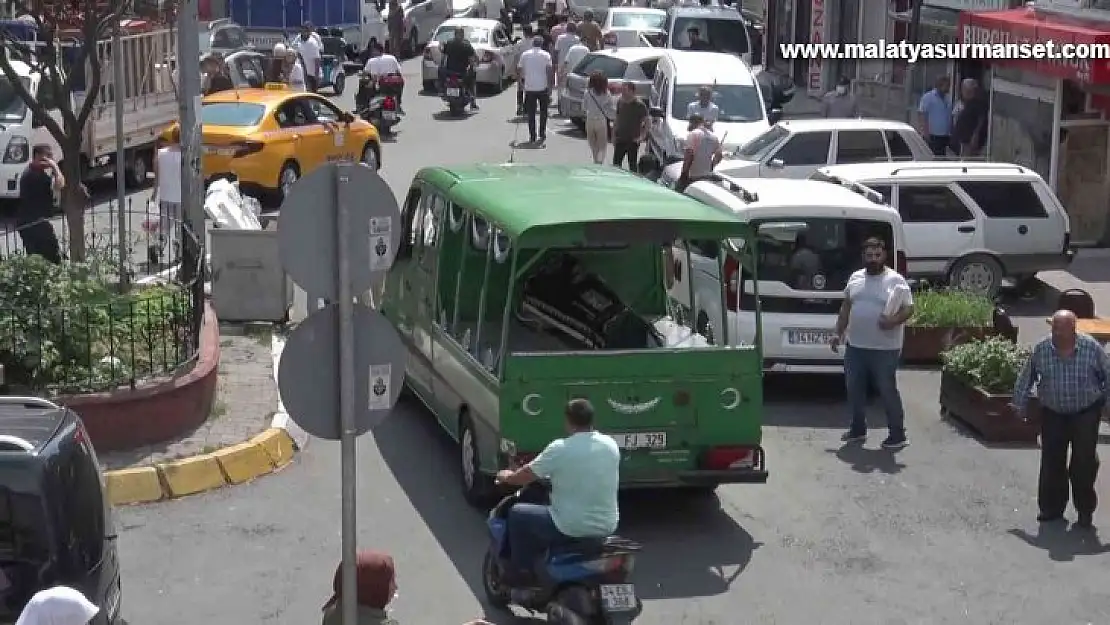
478, 488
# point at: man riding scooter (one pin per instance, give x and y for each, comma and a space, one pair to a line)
584, 471
459, 58
385, 73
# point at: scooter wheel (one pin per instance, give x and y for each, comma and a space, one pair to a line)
497, 593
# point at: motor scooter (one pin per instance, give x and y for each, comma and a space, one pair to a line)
379, 102
455, 94
580, 582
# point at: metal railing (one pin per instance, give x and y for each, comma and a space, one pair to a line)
115, 320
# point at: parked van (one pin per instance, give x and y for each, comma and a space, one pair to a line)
678, 76
810, 238
56, 524
512, 301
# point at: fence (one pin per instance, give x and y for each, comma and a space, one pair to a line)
112, 321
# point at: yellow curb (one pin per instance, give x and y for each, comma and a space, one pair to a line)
193, 475
133, 485
278, 444
244, 462
270, 450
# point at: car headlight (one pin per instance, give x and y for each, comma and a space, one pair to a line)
17, 151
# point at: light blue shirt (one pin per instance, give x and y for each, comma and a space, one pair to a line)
584, 470
938, 113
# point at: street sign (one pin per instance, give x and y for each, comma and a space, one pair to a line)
307, 228
308, 373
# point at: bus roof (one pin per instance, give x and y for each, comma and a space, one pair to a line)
520, 198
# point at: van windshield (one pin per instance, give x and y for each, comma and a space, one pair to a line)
723, 35
12, 108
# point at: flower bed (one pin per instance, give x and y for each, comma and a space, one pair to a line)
977, 381
942, 319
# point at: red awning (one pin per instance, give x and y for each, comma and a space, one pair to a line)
1027, 26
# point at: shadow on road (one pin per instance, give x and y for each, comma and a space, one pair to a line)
1062, 543
692, 547
868, 460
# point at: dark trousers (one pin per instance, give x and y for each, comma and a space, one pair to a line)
537, 102
40, 238
531, 533
311, 83
1058, 431
878, 368
939, 144
623, 150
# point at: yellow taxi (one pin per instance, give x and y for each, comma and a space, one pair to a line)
268, 138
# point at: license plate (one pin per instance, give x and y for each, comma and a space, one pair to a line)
453, 92
809, 337
389, 115
641, 440
618, 597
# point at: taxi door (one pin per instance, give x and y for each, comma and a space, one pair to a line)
337, 143
298, 123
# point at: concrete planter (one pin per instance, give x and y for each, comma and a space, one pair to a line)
990, 416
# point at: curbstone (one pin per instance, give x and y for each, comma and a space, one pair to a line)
133, 485
277, 444
244, 462
192, 475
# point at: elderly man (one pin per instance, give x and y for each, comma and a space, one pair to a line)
840, 102
970, 130
1071, 372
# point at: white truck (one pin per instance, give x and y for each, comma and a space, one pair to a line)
149, 106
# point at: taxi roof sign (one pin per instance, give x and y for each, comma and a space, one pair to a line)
275, 86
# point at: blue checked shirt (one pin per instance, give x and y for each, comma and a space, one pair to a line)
1064, 385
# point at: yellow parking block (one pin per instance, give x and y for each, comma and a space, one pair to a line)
192, 475
278, 445
244, 462
133, 485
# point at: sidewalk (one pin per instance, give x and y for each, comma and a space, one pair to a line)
801, 106
1090, 271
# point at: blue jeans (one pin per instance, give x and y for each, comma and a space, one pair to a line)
880, 368
531, 533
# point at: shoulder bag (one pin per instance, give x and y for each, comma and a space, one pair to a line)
608, 122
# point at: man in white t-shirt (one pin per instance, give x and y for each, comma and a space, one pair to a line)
294, 72
704, 107
537, 74
877, 304
573, 57
562, 46
702, 153
380, 64
311, 48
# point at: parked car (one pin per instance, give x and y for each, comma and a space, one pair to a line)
970, 223
623, 25
497, 52
635, 64
422, 18
57, 520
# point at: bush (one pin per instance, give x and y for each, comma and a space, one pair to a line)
992, 365
64, 329
951, 309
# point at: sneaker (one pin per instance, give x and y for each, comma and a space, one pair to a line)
895, 442
852, 436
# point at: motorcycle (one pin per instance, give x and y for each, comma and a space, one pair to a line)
455, 94
581, 582
380, 103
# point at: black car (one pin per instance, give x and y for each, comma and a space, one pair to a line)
56, 524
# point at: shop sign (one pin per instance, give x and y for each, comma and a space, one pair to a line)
817, 21
984, 28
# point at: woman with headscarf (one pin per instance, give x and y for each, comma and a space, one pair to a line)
60, 605
376, 586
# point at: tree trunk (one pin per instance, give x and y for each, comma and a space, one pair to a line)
74, 200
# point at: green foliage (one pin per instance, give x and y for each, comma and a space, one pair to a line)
992, 365
951, 309
63, 328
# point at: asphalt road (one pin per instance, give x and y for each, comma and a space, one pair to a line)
942, 532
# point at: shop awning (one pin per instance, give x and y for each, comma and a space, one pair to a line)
1026, 26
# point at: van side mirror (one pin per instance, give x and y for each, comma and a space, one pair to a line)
774, 116
656, 112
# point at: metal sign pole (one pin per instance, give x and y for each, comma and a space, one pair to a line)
347, 442
121, 153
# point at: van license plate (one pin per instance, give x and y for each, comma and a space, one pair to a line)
641, 440
618, 597
452, 92
809, 337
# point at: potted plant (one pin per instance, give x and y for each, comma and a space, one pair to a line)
976, 387
944, 318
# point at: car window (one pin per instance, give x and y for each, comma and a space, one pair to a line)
611, 66
229, 37
294, 113
23, 533
83, 501
899, 148
648, 20
737, 103
1006, 199
240, 114
648, 68
931, 204
323, 111
760, 146
882, 189
805, 148
723, 35
470, 33
860, 146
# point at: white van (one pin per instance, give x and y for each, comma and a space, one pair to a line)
678, 76
810, 241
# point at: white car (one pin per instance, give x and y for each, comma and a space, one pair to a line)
623, 25
970, 223
617, 65
797, 148
422, 17
810, 241
497, 53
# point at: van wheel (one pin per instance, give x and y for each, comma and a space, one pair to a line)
978, 274
478, 488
